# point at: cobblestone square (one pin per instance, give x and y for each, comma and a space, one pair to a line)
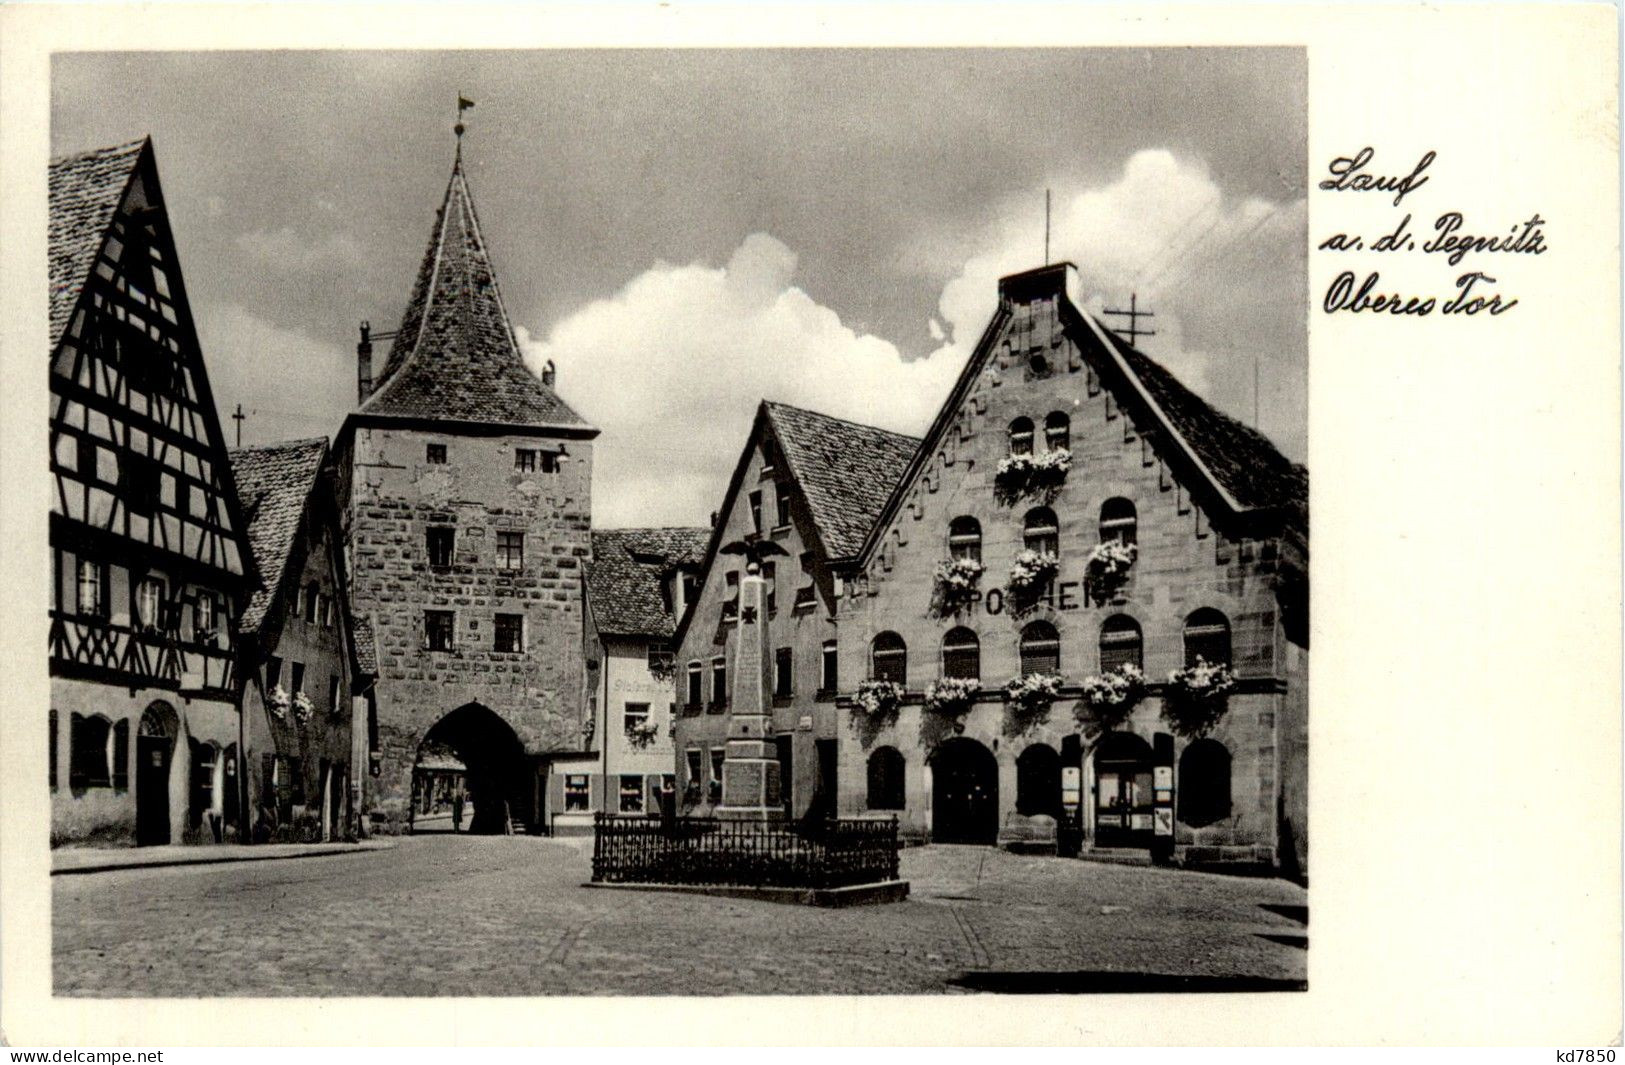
496, 916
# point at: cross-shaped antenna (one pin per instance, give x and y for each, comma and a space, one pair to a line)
1133, 314
238, 418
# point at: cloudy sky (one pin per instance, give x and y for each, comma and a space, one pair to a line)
685, 233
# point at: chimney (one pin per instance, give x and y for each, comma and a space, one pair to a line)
548, 374
363, 364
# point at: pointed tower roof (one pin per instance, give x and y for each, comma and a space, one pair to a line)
455, 357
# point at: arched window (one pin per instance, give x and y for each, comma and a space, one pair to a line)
886, 779
1207, 636
1040, 648
1057, 431
1021, 436
889, 658
694, 695
1121, 644
961, 654
1042, 533
1203, 793
1038, 781
965, 538
1117, 520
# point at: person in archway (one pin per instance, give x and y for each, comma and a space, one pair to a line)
457, 810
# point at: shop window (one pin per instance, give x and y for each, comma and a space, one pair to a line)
435, 455
511, 550
886, 791
1118, 521
719, 682
1038, 781
1207, 637
577, 793
694, 695
829, 673
1121, 644
440, 541
437, 629
1203, 794
1040, 648
1041, 532
965, 538
631, 792
510, 633
1021, 436
961, 654
888, 656
1057, 431
90, 740
783, 668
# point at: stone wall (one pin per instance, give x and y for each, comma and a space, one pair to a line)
394, 497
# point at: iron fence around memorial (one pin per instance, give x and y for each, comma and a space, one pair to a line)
740, 852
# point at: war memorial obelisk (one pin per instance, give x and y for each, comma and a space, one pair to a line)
750, 767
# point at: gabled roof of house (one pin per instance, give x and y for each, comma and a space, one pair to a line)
84, 192
1243, 471
846, 470
623, 581
455, 357
274, 484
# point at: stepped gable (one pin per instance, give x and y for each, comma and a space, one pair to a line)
273, 485
623, 581
84, 191
846, 471
1242, 459
455, 357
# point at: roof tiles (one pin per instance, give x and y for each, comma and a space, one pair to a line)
273, 484
84, 193
623, 582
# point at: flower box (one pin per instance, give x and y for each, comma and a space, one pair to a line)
1041, 476
1109, 698
1030, 574
878, 698
277, 701
955, 588
1197, 697
1031, 696
303, 708
952, 695
643, 733
1107, 569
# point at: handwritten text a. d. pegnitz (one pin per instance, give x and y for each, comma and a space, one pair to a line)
1348, 294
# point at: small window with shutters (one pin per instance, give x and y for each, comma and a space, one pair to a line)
1040, 648
889, 658
1118, 521
961, 654
965, 538
1120, 644
1021, 436
1207, 637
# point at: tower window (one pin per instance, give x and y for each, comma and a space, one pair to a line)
510, 632
437, 629
511, 550
440, 541
435, 455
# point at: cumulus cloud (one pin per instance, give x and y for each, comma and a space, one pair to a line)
1212, 269
291, 385
286, 251
672, 367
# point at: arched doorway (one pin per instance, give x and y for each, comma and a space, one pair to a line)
1123, 791
496, 787
154, 748
964, 793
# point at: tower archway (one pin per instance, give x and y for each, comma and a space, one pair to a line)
494, 779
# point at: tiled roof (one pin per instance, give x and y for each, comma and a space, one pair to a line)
1242, 459
455, 356
273, 484
84, 193
623, 582
846, 471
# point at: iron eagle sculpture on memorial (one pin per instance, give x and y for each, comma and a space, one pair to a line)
754, 553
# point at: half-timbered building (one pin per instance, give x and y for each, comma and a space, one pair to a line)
149, 564
812, 485
1083, 606
305, 727
465, 488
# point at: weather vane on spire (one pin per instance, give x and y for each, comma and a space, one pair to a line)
463, 104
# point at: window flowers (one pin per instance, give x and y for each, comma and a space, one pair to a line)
951, 695
879, 698
1196, 697
1107, 568
643, 733
1109, 698
303, 708
277, 701
956, 580
1021, 476
1030, 574
1030, 697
